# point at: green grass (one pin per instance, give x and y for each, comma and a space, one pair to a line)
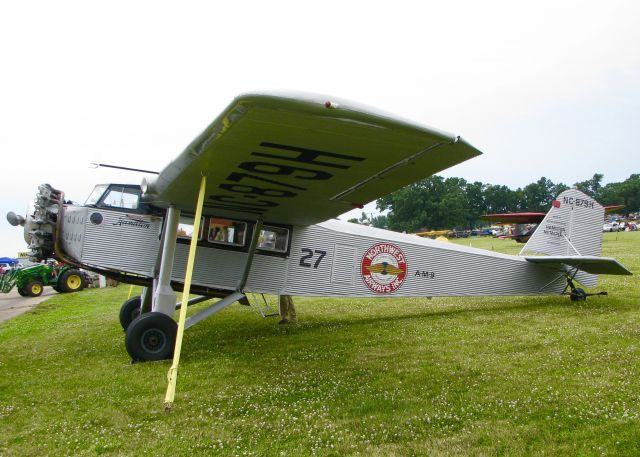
449, 376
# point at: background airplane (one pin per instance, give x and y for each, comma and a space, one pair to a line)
526, 223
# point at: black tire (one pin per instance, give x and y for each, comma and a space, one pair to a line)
129, 311
71, 280
578, 295
22, 292
151, 336
34, 288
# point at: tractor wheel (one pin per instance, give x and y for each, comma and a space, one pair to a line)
129, 311
34, 288
71, 280
22, 292
151, 336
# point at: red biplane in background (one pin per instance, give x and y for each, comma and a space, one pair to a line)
525, 224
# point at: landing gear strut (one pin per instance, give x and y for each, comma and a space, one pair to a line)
578, 294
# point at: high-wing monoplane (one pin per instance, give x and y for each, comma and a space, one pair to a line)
249, 206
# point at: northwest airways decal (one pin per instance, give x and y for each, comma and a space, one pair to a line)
383, 268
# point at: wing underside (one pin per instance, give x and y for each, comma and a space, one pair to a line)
301, 160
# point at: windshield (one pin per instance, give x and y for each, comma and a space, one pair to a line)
95, 195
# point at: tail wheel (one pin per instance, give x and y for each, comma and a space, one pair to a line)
129, 311
578, 295
151, 336
71, 280
34, 288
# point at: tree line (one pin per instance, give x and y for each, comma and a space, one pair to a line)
437, 203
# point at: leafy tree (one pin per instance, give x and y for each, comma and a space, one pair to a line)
499, 199
592, 186
435, 203
538, 196
475, 203
630, 193
380, 221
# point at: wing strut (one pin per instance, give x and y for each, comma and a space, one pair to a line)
173, 371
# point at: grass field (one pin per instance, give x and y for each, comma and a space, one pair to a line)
448, 376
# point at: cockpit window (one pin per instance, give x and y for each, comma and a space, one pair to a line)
122, 197
95, 195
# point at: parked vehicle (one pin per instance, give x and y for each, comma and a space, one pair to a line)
612, 227
30, 281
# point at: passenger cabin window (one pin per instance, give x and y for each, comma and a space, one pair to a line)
273, 239
225, 231
121, 197
185, 228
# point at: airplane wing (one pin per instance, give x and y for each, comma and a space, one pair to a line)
589, 264
530, 218
612, 208
301, 160
515, 218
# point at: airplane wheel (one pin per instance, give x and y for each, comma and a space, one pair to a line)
129, 311
578, 295
34, 289
71, 281
151, 336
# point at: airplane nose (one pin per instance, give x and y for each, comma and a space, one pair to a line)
15, 219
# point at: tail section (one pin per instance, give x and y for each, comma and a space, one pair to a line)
573, 227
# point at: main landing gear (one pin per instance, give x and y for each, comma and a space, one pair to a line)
129, 311
151, 336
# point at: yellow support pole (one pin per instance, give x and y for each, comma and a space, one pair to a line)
173, 371
130, 289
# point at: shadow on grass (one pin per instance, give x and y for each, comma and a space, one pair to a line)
232, 331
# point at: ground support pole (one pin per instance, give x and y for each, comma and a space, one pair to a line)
173, 371
164, 300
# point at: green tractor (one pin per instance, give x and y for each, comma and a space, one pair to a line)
30, 281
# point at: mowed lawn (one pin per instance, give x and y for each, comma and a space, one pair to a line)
443, 376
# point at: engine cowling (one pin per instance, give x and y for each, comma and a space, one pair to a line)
39, 227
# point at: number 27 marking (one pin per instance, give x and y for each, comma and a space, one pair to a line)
308, 255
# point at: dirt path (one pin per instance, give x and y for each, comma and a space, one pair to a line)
12, 304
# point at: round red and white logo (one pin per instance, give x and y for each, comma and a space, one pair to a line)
383, 268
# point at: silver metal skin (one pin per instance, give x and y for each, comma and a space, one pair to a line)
164, 300
327, 259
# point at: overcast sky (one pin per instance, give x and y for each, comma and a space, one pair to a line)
543, 89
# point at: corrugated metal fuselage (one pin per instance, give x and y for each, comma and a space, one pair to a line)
333, 258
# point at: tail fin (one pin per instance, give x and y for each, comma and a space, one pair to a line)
573, 227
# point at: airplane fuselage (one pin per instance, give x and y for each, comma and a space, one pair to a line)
333, 258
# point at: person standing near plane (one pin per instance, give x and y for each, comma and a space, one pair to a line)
287, 310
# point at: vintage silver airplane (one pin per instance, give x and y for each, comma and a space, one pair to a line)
249, 207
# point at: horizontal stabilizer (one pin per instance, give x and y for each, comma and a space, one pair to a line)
588, 264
